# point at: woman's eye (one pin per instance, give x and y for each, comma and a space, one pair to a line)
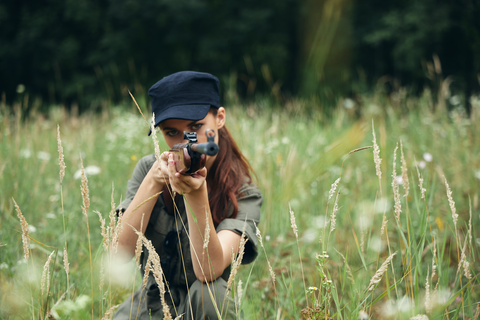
172, 133
196, 126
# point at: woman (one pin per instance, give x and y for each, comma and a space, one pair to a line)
221, 195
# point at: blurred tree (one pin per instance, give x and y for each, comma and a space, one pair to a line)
87, 51
82, 50
325, 56
394, 38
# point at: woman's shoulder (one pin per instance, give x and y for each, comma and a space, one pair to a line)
142, 167
248, 188
147, 161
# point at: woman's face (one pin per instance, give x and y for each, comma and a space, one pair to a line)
172, 129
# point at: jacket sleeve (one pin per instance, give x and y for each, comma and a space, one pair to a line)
139, 173
249, 204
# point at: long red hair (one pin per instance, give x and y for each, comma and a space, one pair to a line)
228, 173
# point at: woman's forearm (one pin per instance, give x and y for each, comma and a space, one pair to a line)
208, 260
138, 208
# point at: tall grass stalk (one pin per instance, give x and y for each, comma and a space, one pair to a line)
61, 163
295, 231
85, 207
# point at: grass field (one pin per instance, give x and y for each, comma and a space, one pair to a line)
362, 250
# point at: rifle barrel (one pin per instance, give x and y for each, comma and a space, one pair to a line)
208, 148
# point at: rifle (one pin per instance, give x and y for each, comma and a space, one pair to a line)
191, 156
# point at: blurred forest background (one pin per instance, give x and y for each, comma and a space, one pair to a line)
87, 52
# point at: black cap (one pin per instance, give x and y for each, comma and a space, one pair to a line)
186, 95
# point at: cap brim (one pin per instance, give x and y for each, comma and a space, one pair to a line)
186, 112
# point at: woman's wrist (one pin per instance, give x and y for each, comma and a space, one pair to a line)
155, 183
200, 192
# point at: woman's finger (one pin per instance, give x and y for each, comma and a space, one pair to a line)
164, 156
171, 165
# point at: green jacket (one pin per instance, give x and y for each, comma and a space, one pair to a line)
178, 266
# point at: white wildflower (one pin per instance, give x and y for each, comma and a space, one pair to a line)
362, 315
89, 171
419, 317
25, 153
42, 155
348, 103
427, 157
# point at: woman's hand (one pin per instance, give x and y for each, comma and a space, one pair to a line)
185, 184
159, 171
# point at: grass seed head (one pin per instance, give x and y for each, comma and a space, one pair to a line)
109, 313
206, 236
116, 233
111, 215
84, 189
384, 224
46, 274
66, 264
157, 271
404, 171
477, 312
104, 231
420, 184
24, 224
464, 263
147, 272
428, 304
238, 296
259, 237
333, 217
333, 189
451, 203
396, 192
154, 137
470, 223
376, 155
292, 221
378, 275
61, 158
238, 261
139, 246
